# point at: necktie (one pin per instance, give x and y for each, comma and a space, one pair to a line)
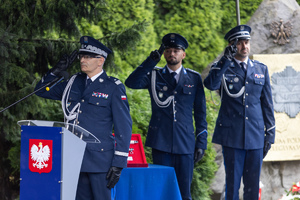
243, 66
174, 82
88, 82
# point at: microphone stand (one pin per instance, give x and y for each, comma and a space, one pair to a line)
27, 96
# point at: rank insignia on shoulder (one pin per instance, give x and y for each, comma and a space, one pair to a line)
118, 82
259, 75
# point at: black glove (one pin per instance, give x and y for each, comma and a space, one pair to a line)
156, 54
198, 155
267, 147
113, 175
64, 63
230, 51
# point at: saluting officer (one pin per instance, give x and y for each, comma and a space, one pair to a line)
245, 126
173, 99
97, 103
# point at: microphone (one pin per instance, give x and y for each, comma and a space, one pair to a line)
63, 75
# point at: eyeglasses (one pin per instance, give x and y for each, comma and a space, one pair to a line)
87, 57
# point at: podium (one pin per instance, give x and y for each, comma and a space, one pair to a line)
51, 157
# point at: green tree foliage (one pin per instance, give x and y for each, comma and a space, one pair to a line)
229, 20
198, 21
34, 34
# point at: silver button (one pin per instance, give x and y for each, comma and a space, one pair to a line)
77, 122
246, 82
97, 103
246, 94
247, 106
102, 149
82, 100
175, 120
246, 118
175, 92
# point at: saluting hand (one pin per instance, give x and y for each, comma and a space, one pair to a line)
230, 51
156, 54
64, 63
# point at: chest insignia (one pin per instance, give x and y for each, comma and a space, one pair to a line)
259, 75
160, 94
68, 104
230, 86
236, 79
189, 86
165, 88
100, 95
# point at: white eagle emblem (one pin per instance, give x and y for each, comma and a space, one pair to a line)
40, 156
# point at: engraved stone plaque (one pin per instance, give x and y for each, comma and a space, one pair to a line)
286, 91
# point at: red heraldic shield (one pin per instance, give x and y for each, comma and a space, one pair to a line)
40, 155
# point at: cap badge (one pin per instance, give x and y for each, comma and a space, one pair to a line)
242, 28
86, 39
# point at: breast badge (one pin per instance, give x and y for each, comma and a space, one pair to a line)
160, 94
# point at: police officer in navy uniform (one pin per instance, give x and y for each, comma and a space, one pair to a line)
171, 132
97, 103
245, 126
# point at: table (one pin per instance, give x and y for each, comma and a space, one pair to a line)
155, 182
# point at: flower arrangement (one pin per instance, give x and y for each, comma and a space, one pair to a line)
293, 193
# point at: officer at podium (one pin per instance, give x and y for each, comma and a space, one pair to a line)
174, 98
245, 126
96, 102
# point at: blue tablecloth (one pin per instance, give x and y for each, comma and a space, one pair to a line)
155, 182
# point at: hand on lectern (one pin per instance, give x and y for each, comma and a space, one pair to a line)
113, 175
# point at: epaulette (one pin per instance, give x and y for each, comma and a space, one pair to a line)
157, 68
193, 71
258, 62
115, 80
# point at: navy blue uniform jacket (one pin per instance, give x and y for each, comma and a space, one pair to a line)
103, 107
247, 119
171, 127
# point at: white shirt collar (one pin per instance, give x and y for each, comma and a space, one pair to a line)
177, 72
239, 62
95, 76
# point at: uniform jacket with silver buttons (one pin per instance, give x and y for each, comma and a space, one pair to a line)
103, 107
247, 119
171, 127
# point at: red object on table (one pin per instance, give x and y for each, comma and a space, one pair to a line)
136, 154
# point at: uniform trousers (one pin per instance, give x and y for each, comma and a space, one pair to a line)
183, 165
242, 163
92, 186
